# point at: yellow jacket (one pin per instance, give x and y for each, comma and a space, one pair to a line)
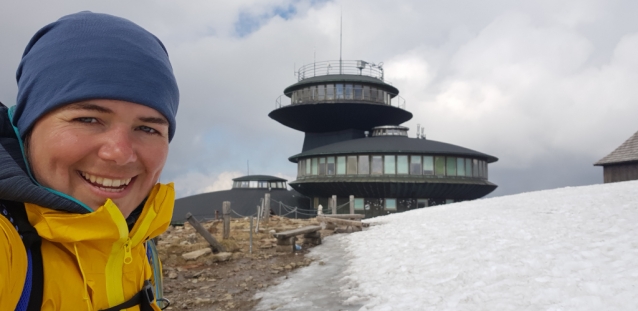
90, 261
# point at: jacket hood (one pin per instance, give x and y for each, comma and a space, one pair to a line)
15, 182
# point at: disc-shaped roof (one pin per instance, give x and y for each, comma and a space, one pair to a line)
627, 152
341, 79
258, 178
393, 144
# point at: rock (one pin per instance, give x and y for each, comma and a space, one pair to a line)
172, 275
202, 300
222, 256
288, 267
196, 254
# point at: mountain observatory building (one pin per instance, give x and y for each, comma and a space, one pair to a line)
355, 145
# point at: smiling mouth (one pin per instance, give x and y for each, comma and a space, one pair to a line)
106, 184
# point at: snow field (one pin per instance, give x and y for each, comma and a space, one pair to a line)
561, 249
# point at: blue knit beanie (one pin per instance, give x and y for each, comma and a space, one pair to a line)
86, 56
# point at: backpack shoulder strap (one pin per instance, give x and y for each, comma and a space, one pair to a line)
31, 299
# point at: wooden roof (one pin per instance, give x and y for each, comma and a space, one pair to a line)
627, 152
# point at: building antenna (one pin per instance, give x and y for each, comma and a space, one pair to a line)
340, 39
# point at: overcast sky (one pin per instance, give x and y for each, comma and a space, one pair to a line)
548, 87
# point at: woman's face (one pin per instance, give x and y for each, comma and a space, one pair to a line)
100, 149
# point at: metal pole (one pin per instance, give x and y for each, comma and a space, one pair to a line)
250, 249
351, 204
279, 208
334, 204
340, 39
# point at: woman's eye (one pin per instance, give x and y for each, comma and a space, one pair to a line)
86, 120
149, 130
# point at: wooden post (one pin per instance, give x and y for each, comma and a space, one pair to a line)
203, 232
267, 207
226, 215
257, 226
351, 204
334, 204
250, 249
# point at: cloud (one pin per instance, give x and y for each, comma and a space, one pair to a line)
545, 86
195, 182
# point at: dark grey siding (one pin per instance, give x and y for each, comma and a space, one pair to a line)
621, 172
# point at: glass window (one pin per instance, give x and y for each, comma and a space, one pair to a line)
313, 93
358, 204
339, 91
373, 94
294, 97
468, 167
330, 92
428, 165
273, 185
377, 165
358, 92
315, 167
298, 170
352, 165
322, 166
474, 168
480, 169
366, 92
389, 165
364, 165
451, 166
402, 164
485, 171
415, 165
263, 184
439, 166
341, 165
321, 92
380, 96
306, 94
348, 91
460, 167
244, 184
330, 166
307, 165
390, 204
253, 184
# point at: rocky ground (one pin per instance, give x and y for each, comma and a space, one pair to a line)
196, 279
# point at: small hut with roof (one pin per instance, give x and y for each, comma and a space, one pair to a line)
622, 163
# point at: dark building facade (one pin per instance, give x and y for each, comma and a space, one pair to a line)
354, 145
622, 163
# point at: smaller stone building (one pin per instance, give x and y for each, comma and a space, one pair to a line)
622, 163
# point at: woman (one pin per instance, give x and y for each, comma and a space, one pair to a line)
80, 156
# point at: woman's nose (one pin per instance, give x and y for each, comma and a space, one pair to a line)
118, 147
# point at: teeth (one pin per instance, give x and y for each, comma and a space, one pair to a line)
106, 183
